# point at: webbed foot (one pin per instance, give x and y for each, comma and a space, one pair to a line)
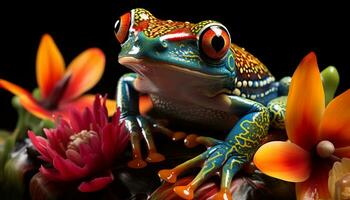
139, 127
219, 156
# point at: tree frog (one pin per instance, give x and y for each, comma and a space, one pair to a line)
192, 73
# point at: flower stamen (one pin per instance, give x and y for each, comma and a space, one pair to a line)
325, 149
82, 137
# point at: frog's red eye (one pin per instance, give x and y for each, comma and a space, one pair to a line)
121, 28
214, 42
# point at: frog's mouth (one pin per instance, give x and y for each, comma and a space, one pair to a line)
147, 68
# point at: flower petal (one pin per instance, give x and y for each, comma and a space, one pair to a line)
78, 104
343, 152
111, 106
96, 184
68, 170
49, 65
335, 125
289, 161
40, 145
85, 71
316, 187
108, 143
26, 100
51, 173
81, 103
305, 103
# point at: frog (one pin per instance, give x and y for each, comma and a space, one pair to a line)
192, 72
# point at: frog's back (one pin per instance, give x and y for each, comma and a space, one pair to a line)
253, 79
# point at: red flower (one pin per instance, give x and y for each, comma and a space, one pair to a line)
84, 148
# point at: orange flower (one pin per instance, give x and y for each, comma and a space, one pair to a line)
60, 88
317, 134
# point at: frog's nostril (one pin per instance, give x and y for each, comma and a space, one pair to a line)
121, 28
160, 45
163, 44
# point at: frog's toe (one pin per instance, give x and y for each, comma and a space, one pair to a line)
155, 157
185, 192
168, 175
191, 141
178, 136
194, 140
223, 195
137, 163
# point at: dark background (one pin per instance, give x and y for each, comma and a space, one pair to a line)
279, 34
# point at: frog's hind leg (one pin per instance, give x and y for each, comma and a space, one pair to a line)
277, 110
215, 158
277, 106
231, 167
283, 86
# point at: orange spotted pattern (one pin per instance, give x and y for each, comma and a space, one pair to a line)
247, 65
153, 27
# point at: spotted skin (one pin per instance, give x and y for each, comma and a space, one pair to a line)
235, 94
277, 108
248, 66
153, 27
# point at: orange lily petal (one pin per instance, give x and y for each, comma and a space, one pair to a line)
49, 65
335, 125
305, 103
85, 71
26, 99
81, 103
283, 160
316, 187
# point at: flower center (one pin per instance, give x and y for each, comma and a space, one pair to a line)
82, 137
51, 102
325, 149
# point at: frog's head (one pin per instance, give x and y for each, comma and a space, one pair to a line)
165, 50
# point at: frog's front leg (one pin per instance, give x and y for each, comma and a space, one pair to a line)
138, 126
229, 155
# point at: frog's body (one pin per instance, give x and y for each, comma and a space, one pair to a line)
193, 73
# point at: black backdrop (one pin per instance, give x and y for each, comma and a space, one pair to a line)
280, 34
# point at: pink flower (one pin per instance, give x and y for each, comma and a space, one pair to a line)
84, 148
